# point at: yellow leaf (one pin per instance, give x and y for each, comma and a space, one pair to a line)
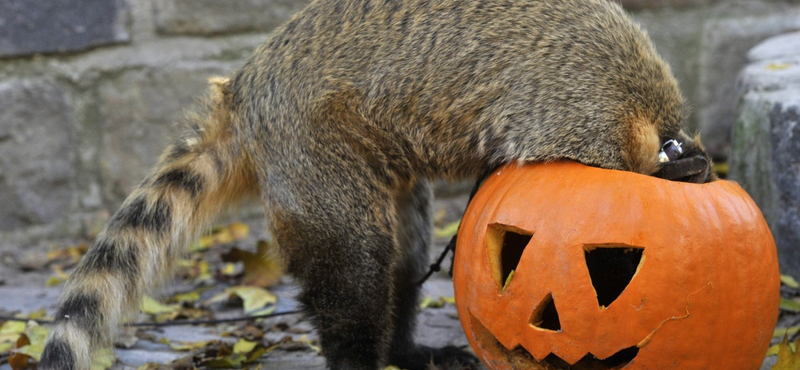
228, 269
185, 346
778, 66
789, 281
227, 362
244, 346
779, 332
310, 343
233, 232
258, 367
775, 348
253, 298
788, 359
263, 268
8, 341
787, 304
429, 302
36, 335
152, 307
265, 311
53, 281
13, 327
239, 230
103, 359
204, 274
37, 315
189, 297
17, 360
448, 230
721, 168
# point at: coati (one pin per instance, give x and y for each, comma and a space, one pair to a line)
339, 121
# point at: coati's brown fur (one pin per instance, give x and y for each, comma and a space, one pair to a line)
339, 121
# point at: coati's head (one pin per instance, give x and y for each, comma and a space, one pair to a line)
683, 158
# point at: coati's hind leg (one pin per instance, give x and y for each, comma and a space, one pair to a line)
414, 236
334, 224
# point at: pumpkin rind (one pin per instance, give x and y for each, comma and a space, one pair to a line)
705, 295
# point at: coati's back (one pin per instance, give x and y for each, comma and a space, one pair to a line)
342, 111
454, 84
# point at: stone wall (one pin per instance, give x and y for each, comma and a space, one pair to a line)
89, 89
765, 154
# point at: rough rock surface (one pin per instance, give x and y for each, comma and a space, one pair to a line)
36, 159
208, 17
30, 27
765, 153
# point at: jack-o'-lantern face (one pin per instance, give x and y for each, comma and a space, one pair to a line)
563, 266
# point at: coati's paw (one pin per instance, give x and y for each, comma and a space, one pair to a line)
429, 358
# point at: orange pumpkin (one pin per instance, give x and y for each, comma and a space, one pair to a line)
562, 266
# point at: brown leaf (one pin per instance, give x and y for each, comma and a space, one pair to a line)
19, 361
264, 268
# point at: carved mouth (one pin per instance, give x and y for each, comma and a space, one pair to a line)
590, 362
520, 358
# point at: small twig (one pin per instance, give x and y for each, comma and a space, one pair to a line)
174, 323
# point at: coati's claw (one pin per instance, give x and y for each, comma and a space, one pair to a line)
683, 169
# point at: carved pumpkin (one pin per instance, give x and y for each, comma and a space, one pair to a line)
564, 266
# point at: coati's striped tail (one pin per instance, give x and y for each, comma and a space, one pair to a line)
194, 180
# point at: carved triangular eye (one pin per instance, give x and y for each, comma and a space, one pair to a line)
505, 246
546, 316
611, 269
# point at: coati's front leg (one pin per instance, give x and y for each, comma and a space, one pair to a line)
414, 238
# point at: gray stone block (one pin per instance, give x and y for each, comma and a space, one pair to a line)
139, 111
770, 75
765, 152
32, 27
36, 154
781, 46
725, 43
785, 122
206, 17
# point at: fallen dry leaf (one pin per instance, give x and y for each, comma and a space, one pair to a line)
18, 360
253, 298
224, 235
778, 66
103, 359
789, 281
264, 268
448, 230
788, 359
429, 302
153, 307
